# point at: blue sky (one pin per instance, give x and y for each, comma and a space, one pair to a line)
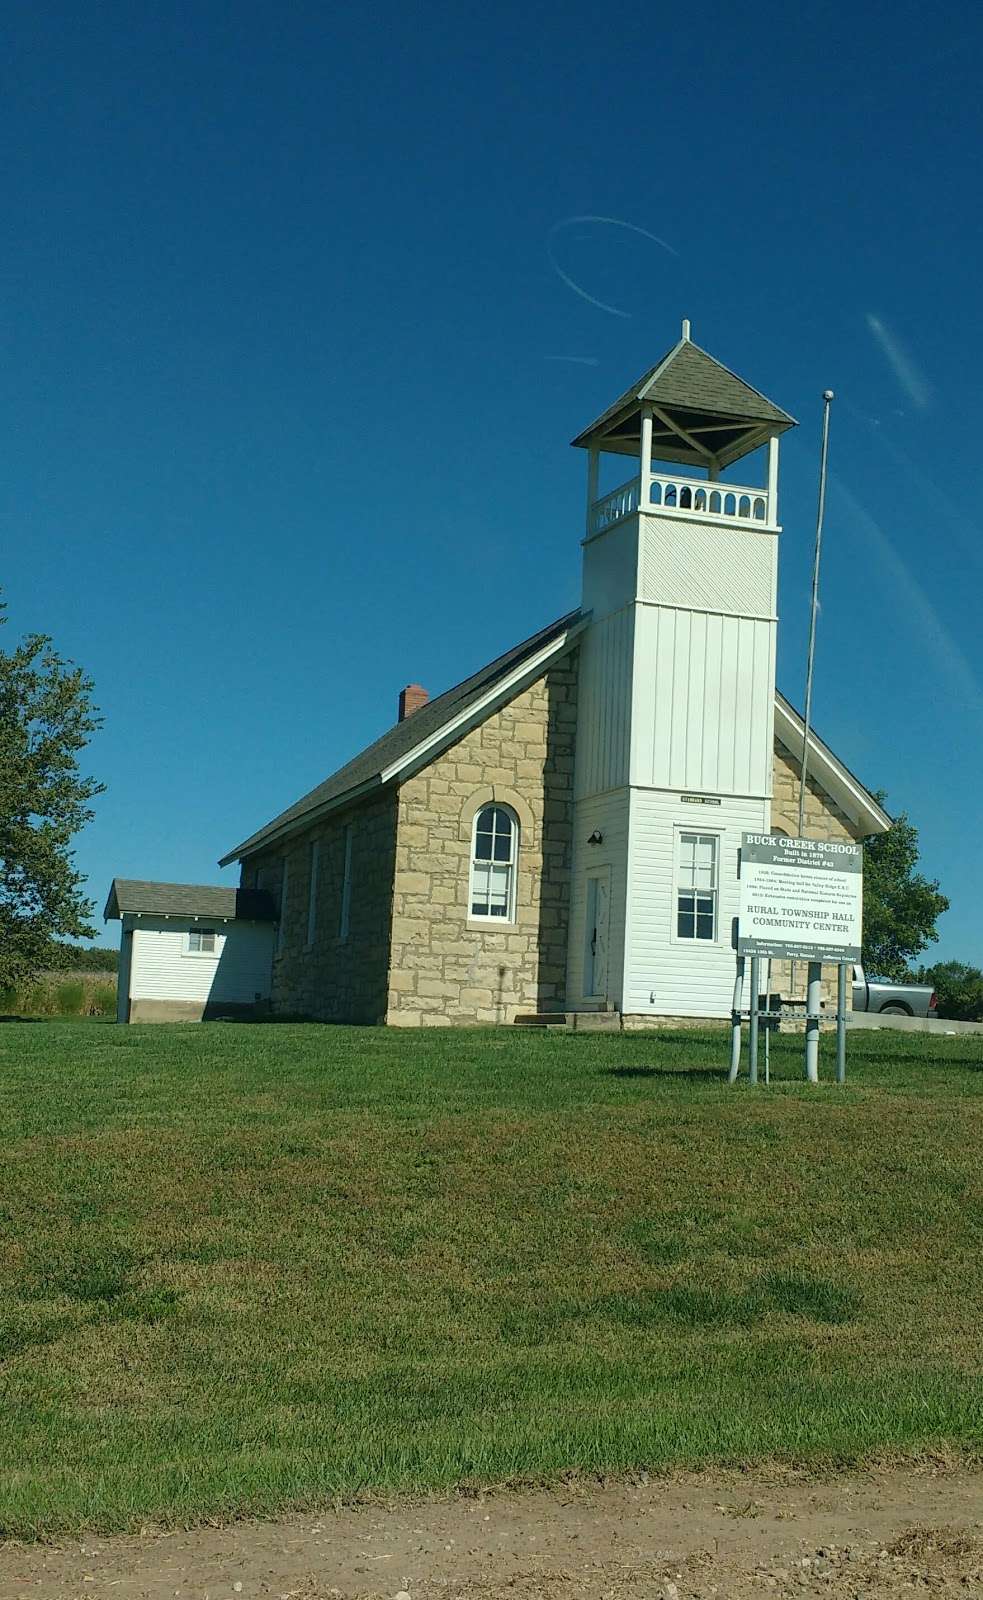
298, 321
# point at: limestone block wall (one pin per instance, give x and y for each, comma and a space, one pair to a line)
823, 817
340, 975
446, 968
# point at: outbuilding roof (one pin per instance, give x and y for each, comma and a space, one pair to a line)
139, 897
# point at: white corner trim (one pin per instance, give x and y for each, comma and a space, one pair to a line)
478, 709
860, 806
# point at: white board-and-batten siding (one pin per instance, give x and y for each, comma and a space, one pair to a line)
162, 968
703, 714
604, 705
676, 707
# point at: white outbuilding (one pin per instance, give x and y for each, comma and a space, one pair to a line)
191, 951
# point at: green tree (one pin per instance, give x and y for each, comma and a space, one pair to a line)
959, 988
81, 958
46, 719
901, 906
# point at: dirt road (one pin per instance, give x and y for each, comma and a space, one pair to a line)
916, 1530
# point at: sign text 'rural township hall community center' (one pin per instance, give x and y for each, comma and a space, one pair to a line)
801, 899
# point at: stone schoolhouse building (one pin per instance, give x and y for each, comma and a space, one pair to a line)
561, 831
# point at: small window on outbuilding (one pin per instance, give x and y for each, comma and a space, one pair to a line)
201, 942
494, 858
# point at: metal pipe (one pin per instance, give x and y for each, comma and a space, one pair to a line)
814, 608
841, 1023
771, 1022
814, 1000
735, 1023
752, 1052
813, 613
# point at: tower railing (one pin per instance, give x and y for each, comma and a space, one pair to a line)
707, 499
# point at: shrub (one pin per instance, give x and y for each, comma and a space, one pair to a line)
959, 988
102, 1000
82, 958
69, 999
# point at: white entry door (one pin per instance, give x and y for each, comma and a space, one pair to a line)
596, 944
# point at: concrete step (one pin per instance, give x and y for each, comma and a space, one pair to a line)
540, 1019
594, 1021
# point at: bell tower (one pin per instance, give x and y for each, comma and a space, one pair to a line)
677, 685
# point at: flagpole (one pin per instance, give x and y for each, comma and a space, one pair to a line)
810, 662
815, 971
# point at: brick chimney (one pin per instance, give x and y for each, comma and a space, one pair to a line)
411, 699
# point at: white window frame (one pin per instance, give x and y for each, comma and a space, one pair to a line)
345, 914
486, 918
202, 933
678, 887
312, 893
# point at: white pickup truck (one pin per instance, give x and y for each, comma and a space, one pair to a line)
896, 999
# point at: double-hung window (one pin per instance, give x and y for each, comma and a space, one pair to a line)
201, 941
696, 886
494, 857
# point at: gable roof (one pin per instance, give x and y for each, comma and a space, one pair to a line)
140, 897
420, 731
419, 736
696, 390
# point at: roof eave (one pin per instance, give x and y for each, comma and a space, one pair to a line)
508, 686
783, 420
262, 840
624, 406
843, 785
639, 392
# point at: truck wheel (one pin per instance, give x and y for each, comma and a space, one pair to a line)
895, 1011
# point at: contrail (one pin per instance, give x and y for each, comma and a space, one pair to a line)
967, 530
928, 625
900, 362
608, 222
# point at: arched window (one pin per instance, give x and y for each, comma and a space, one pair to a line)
494, 857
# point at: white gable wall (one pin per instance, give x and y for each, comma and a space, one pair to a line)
161, 968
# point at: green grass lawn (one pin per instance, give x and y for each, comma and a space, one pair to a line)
243, 1268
